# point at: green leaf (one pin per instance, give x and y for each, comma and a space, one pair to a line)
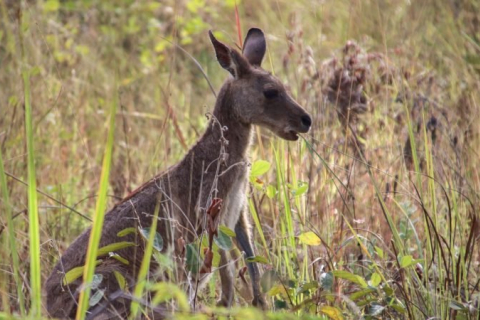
75, 273
276, 289
360, 294
326, 280
229, 232
114, 247
301, 189
388, 290
259, 167
194, 260
258, 259
406, 261
280, 304
51, 5
96, 281
379, 252
342, 274
375, 280
96, 297
157, 241
332, 312
126, 231
309, 238
122, 283
271, 191
223, 241
119, 258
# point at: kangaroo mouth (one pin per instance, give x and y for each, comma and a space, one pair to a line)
289, 135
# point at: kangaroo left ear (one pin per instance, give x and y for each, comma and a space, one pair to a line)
254, 46
230, 59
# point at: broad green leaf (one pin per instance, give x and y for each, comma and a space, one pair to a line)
309, 238
223, 241
114, 247
126, 231
379, 252
375, 280
51, 5
193, 258
342, 274
326, 280
301, 189
280, 304
271, 191
398, 308
276, 289
258, 259
388, 290
229, 232
406, 261
157, 240
332, 312
259, 167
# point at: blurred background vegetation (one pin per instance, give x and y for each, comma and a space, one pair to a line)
373, 214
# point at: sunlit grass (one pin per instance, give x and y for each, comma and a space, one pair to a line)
405, 226
98, 217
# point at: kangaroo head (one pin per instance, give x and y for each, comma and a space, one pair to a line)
255, 96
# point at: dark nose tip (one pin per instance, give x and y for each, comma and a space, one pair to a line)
306, 120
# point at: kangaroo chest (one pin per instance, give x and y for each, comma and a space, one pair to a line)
234, 201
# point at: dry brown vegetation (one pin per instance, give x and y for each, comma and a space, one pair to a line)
373, 214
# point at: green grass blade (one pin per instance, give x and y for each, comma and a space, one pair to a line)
145, 266
98, 218
33, 229
11, 236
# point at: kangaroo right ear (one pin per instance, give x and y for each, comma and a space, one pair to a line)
255, 46
229, 59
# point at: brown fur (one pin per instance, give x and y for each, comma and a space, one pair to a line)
215, 167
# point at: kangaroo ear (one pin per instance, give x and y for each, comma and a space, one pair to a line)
254, 46
229, 59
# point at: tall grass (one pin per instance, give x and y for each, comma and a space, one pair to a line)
98, 218
11, 241
33, 219
373, 214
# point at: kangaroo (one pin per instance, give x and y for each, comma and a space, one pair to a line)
215, 167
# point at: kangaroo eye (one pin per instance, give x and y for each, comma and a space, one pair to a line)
270, 93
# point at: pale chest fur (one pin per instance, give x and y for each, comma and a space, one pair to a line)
235, 201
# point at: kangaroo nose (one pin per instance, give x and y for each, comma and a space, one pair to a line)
306, 120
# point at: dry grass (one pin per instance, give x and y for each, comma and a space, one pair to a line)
391, 162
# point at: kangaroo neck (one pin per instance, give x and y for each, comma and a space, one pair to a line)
225, 124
